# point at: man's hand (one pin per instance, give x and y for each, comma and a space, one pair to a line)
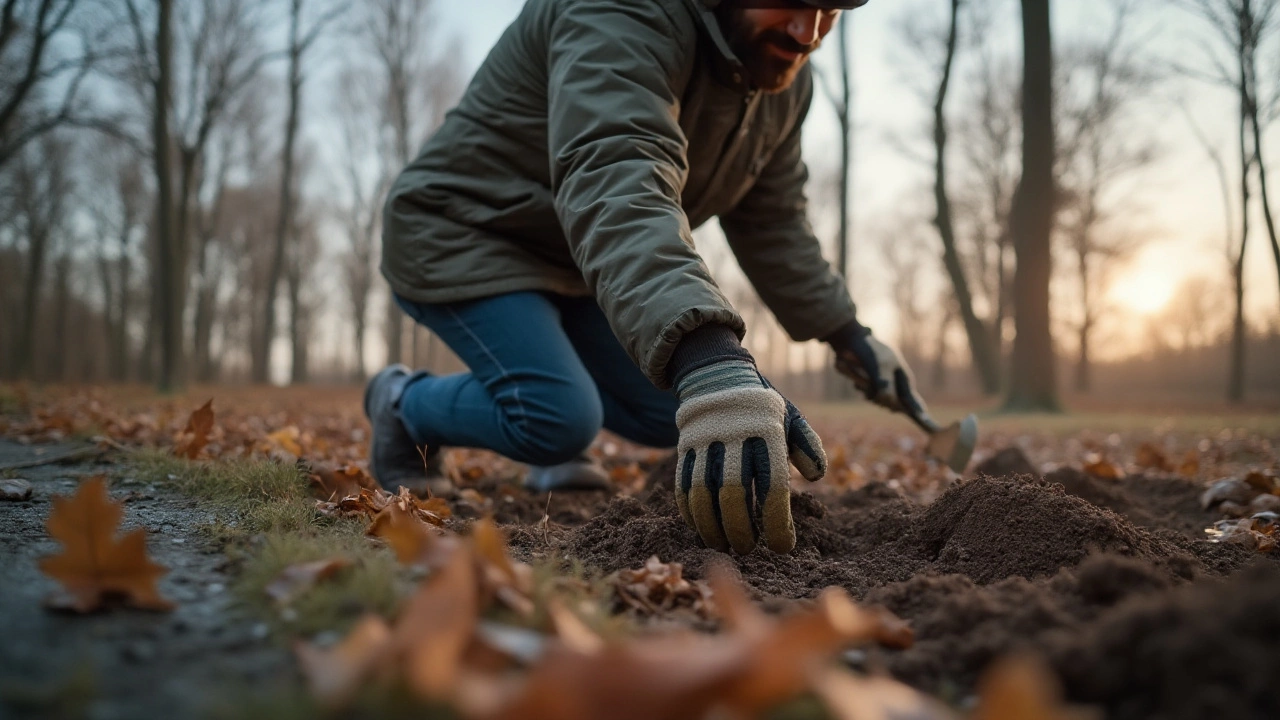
736, 436
879, 372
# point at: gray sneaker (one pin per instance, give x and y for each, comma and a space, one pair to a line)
580, 473
394, 459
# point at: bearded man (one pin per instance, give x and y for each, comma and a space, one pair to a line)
545, 234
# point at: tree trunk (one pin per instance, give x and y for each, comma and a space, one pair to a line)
984, 361
1086, 320
24, 348
262, 361
168, 303
1033, 378
1258, 158
57, 366
939, 377
395, 334
120, 344
299, 371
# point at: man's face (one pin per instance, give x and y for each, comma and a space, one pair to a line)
774, 43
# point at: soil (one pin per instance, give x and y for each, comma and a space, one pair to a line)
1112, 580
123, 663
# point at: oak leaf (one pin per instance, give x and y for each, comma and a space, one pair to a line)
334, 674
195, 435
660, 587
95, 566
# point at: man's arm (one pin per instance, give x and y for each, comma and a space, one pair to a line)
770, 234
618, 166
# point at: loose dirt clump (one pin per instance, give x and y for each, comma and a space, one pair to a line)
995, 564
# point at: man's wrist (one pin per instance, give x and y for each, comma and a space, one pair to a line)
705, 345
844, 338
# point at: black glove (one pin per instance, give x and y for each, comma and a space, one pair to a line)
876, 369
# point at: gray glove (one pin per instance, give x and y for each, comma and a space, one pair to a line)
736, 435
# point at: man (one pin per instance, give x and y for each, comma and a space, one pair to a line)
544, 233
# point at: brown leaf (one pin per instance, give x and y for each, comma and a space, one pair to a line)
1021, 687
1150, 457
849, 697
1190, 465
661, 587
296, 579
511, 582
1261, 481
286, 439
437, 626
14, 489
196, 434
331, 481
334, 674
1103, 468
412, 540
95, 566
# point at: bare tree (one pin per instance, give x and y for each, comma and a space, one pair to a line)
366, 160
1243, 27
44, 186
301, 41
218, 54
1033, 377
1101, 87
417, 88
117, 202
942, 49
48, 48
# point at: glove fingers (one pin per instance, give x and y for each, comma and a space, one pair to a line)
771, 476
804, 447
737, 500
907, 396
684, 482
704, 497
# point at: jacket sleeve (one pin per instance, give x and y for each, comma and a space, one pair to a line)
618, 166
771, 237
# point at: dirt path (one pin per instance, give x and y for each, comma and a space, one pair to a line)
122, 663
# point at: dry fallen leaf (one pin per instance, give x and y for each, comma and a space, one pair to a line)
334, 674
330, 481
296, 579
412, 540
1021, 687
661, 587
1103, 468
94, 565
1150, 457
509, 581
196, 434
1190, 465
850, 697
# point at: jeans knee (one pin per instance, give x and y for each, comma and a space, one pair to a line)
559, 432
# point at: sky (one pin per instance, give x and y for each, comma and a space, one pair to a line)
1179, 198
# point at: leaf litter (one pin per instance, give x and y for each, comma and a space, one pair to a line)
1011, 564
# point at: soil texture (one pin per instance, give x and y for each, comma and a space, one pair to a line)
1113, 581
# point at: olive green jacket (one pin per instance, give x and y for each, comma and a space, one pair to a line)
591, 141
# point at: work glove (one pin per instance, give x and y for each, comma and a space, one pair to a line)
736, 436
878, 371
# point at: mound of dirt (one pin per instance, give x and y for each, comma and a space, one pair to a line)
1009, 462
991, 529
1203, 651
1063, 565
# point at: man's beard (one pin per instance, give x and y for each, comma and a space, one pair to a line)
768, 71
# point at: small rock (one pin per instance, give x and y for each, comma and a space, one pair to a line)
177, 541
1233, 509
260, 631
1264, 520
215, 588
1230, 490
1265, 503
15, 489
855, 659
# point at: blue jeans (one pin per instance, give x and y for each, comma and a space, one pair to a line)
546, 374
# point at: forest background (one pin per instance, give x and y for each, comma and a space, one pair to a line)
283, 123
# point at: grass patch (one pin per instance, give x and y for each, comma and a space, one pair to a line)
374, 582
248, 496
